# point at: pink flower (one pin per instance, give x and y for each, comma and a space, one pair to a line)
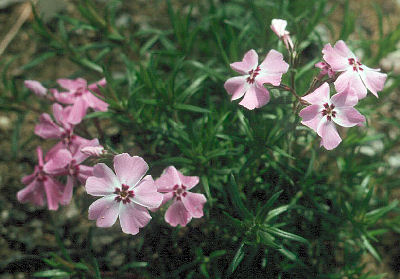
36, 87
63, 162
355, 74
185, 204
61, 129
279, 26
325, 69
126, 194
254, 76
80, 97
323, 111
40, 183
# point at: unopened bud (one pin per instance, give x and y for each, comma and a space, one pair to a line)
36, 87
94, 151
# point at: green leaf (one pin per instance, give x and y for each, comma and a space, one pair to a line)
284, 234
51, 273
236, 200
263, 212
191, 108
370, 248
236, 259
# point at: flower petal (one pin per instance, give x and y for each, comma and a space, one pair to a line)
373, 80
351, 79
188, 181
47, 129
95, 103
236, 87
348, 117
168, 179
327, 131
53, 193
274, 64
67, 194
72, 84
338, 56
249, 62
32, 193
177, 214
194, 203
146, 193
132, 217
36, 87
78, 111
347, 98
319, 96
129, 169
255, 97
311, 115
58, 163
278, 26
103, 182
105, 211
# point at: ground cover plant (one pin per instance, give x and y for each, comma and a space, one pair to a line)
222, 139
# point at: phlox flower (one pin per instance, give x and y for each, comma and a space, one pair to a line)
40, 183
325, 69
354, 73
254, 76
80, 97
60, 129
186, 205
64, 162
125, 194
324, 112
36, 87
279, 28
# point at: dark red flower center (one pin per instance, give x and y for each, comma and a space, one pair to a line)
124, 194
253, 74
79, 92
356, 64
73, 168
41, 175
68, 136
328, 111
179, 192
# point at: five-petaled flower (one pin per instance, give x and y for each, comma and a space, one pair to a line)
40, 183
324, 112
254, 76
80, 97
354, 73
125, 194
186, 205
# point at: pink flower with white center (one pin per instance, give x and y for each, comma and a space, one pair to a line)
254, 76
80, 97
63, 162
40, 183
279, 28
125, 194
325, 69
354, 73
36, 87
185, 204
324, 112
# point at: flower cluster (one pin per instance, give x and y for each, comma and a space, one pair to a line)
65, 158
128, 194
350, 78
